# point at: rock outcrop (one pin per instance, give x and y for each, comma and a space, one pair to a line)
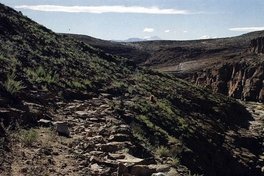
239, 80
257, 45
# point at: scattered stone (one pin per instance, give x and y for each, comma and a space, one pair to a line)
117, 155
110, 147
96, 168
45, 123
106, 95
142, 170
130, 159
82, 113
62, 129
159, 174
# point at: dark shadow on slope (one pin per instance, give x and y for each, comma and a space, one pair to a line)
210, 152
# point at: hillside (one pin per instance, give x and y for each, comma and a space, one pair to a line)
232, 66
69, 108
166, 54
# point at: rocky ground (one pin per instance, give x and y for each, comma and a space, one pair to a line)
95, 141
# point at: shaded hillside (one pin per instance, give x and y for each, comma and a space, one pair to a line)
117, 119
115, 48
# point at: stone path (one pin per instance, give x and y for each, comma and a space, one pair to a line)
102, 144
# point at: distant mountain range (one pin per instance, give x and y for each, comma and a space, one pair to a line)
136, 39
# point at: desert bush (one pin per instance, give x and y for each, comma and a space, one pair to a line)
175, 161
12, 86
28, 137
41, 75
77, 84
163, 151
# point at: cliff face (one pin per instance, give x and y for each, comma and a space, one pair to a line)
240, 79
257, 45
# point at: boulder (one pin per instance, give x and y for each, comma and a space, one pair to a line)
122, 170
62, 128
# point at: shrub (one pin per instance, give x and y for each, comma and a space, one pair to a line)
29, 137
175, 161
163, 151
12, 86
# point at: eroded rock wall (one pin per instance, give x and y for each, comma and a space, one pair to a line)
238, 80
241, 78
257, 45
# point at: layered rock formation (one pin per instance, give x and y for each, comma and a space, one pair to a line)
238, 80
241, 78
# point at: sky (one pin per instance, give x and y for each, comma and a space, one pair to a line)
167, 19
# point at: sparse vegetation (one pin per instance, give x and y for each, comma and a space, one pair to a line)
28, 137
163, 151
175, 161
12, 85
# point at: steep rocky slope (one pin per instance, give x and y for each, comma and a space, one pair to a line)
68, 108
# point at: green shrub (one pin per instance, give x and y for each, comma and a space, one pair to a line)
41, 75
29, 137
77, 84
163, 151
175, 161
12, 86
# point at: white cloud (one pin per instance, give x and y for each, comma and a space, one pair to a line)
167, 31
205, 37
247, 29
148, 30
184, 31
105, 9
